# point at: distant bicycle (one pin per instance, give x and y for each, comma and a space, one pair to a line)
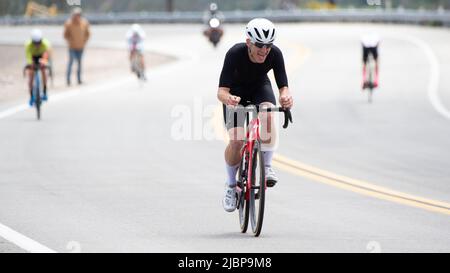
251, 182
370, 84
137, 67
37, 88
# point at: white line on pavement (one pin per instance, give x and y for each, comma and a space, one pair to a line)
433, 83
23, 241
13, 110
68, 94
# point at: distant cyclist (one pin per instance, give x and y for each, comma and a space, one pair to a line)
244, 81
213, 19
135, 39
370, 44
37, 52
212, 12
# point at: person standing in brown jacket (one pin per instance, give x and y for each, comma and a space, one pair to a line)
76, 33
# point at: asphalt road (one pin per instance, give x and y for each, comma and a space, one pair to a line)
108, 169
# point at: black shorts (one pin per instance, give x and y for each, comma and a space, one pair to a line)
370, 50
36, 59
254, 95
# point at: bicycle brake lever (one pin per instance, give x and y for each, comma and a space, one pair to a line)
287, 117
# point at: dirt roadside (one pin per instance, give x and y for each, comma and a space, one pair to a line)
98, 65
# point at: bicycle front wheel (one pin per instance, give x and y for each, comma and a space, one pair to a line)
243, 204
38, 101
258, 189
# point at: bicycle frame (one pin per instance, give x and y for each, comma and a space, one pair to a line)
370, 67
135, 59
252, 135
37, 80
37, 90
36, 85
136, 63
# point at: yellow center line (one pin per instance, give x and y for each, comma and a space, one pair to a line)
358, 186
332, 179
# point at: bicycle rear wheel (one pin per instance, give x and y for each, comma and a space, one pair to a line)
258, 189
243, 205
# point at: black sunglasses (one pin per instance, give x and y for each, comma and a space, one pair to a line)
261, 45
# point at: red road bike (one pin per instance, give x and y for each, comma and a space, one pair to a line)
251, 180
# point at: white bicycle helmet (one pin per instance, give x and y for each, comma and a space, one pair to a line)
36, 35
136, 29
261, 30
213, 7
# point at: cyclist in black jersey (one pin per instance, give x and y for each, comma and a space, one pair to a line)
244, 81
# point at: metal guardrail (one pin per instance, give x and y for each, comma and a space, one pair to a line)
439, 18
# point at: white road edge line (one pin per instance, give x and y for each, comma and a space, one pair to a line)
433, 84
101, 87
9, 234
67, 94
23, 241
13, 236
13, 110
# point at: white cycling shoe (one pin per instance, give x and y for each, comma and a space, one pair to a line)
271, 178
229, 201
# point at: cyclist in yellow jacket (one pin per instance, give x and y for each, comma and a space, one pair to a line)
37, 51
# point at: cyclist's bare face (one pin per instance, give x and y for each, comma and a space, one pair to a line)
257, 55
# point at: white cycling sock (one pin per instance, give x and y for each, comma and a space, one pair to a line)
231, 172
268, 158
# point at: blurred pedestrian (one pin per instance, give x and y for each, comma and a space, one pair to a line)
76, 32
